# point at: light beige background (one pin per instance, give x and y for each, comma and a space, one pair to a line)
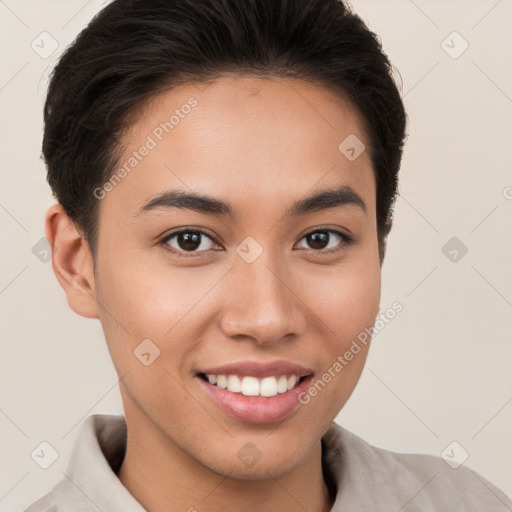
439, 372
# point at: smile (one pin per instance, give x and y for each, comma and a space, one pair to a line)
256, 392
252, 386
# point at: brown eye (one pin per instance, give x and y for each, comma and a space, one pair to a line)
326, 240
189, 241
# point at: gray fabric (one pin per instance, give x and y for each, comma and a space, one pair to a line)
367, 478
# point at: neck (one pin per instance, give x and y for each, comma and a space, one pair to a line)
161, 476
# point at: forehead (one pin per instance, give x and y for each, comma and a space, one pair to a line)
255, 139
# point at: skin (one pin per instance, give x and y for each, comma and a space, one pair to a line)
260, 145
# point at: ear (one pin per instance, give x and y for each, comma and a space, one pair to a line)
72, 262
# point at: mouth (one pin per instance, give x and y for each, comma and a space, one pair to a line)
255, 393
250, 385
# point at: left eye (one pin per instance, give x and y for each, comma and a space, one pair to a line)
320, 240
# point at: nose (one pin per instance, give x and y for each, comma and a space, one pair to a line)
262, 303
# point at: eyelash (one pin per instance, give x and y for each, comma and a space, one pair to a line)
347, 240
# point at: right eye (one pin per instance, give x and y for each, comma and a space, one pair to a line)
185, 241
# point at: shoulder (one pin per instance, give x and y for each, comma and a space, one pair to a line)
409, 480
97, 453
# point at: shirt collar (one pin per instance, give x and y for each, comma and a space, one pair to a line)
91, 482
365, 477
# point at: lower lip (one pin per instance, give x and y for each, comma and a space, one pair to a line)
256, 409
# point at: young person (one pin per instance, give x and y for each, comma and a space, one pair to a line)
225, 172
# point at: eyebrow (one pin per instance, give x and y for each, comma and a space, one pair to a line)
317, 201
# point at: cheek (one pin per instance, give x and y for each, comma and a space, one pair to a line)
143, 300
139, 313
358, 305
347, 300
349, 306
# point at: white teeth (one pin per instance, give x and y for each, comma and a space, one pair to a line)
234, 384
292, 380
222, 381
268, 386
252, 386
282, 384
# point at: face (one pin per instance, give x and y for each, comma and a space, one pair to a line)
251, 293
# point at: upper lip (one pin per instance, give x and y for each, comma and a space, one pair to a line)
259, 369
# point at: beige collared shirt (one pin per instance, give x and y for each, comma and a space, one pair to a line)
368, 479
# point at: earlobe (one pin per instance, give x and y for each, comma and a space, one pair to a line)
72, 262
